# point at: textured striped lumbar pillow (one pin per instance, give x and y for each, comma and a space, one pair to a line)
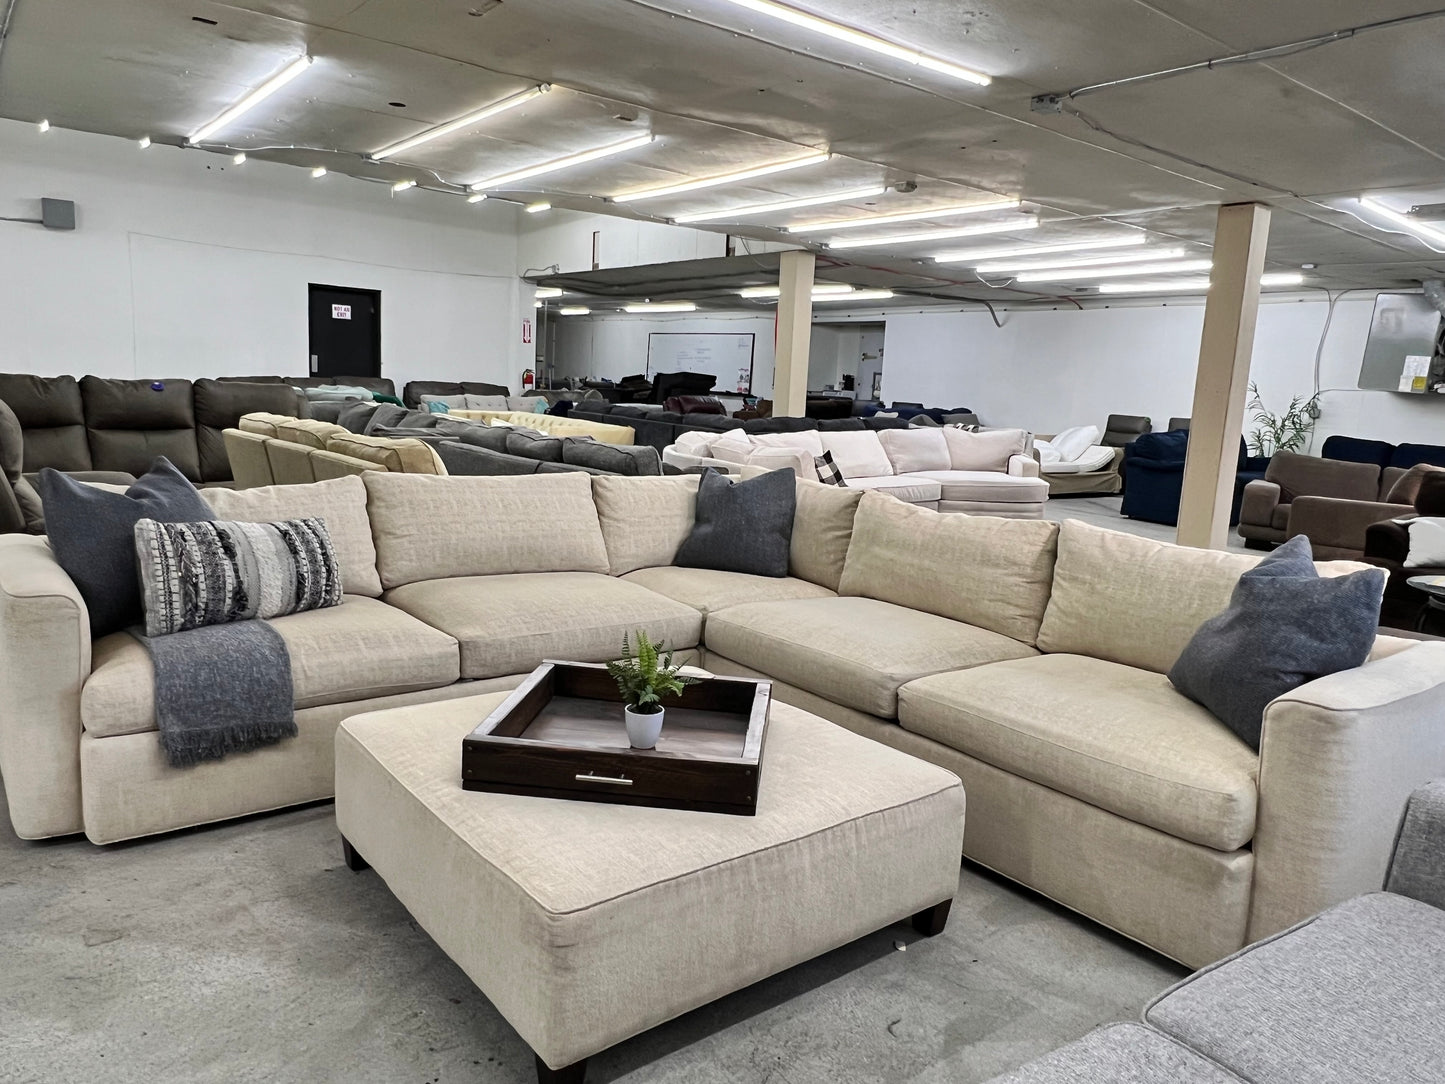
195, 574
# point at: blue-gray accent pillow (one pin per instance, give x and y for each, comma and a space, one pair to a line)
92, 534
742, 526
1285, 625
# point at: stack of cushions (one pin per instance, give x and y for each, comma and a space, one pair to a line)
1073, 451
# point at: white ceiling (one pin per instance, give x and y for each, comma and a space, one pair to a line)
722, 91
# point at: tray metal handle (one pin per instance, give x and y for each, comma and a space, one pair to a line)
588, 777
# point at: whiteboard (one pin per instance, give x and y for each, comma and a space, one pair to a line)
728, 356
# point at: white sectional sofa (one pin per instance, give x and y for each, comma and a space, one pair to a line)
949, 469
1026, 657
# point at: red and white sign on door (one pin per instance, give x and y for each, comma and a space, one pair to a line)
526, 331
341, 312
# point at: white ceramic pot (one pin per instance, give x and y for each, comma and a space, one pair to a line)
643, 729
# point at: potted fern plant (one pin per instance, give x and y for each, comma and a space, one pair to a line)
644, 678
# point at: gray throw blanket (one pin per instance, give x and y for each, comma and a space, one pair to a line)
220, 689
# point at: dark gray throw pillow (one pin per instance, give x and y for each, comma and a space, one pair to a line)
92, 533
743, 526
1285, 625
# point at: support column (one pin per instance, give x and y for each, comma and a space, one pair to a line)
1222, 383
794, 334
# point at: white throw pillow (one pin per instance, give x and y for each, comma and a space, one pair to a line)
1427, 542
986, 450
1047, 452
858, 454
733, 446
1072, 443
912, 450
810, 441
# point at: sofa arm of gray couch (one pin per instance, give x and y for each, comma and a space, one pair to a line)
1335, 527
1339, 758
1260, 500
1417, 869
44, 662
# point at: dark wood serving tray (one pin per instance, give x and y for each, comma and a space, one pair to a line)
561, 735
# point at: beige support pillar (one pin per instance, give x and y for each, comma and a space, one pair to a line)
1222, 382
794, 334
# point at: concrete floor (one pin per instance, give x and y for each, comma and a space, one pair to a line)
1104, 512
248, 952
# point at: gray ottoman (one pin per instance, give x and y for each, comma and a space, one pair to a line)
585, 924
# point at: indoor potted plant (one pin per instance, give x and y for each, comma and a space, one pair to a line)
644, 679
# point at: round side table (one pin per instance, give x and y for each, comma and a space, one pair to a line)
1434, 590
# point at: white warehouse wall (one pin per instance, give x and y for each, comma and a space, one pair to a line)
612, 347
184, 265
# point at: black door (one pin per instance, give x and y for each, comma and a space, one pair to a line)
345, 331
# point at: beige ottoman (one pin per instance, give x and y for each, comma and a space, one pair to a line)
585, 924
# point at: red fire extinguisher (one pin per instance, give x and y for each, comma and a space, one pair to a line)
529, 380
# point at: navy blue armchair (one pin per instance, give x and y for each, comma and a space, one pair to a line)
1154, 465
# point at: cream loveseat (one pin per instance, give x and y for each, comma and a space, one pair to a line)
948, 469
1026, 657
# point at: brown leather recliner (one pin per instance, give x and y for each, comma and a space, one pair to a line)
1387, 544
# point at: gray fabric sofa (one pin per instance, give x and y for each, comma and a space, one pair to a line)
1353, 995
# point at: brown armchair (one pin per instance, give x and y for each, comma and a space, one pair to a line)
1266, 514
1336, 528
1387, 545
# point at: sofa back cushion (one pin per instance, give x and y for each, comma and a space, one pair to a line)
50, 412
219, 405
339, 502
858, 455
634, 460
309, 431
822, 531
990, 572
988, 449
130, 422
644, 520
428, 528
1132, 600
912, 450
806, 440
262, 423
402, 456
1407, 455
1306, 475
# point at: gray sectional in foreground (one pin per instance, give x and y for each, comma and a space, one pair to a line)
1025, 657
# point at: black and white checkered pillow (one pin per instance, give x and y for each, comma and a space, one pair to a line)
828, 472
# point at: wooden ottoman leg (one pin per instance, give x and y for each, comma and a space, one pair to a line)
568, 1074
355, 862
930, 922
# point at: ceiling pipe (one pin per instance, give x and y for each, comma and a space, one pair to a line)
6, 14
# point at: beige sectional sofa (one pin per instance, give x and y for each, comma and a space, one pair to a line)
1025, 656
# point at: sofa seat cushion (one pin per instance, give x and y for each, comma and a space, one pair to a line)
709, 590
510, 623
1354, 994
1095, 457
986, 485
855, 651
1117, 737
912, 488
358, 650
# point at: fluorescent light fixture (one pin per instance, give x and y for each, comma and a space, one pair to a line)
1025, 222
505, 179
474, 117
402, 186
661, 306
723, 178
1080, 274
1003, 252
536, 304
239, 157
143, 142
751, 209
952, 210
537, 208
573, 310
1405, 222
476, 197
43, 127
548, 291
858, 295
260, 94
319, 171
1152, 255
862, 40
820, 289
1182, 286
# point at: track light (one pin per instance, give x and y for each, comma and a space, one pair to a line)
748, 210
1080, 274
318, 172
1024, 222
661, 306
474, 117
950, 211
143, 142
402, 186
1410, 225
537, 208
43, 127
862, 40
260, 94
968, 256
573, 310
547, 291
239, 157
505, 179
1152, 255
735, 177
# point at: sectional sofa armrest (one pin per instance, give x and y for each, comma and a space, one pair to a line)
799, 462
1260, 501
1023, 466
44, 662
1334, 525
1339, 758
1417, 869
671, 457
